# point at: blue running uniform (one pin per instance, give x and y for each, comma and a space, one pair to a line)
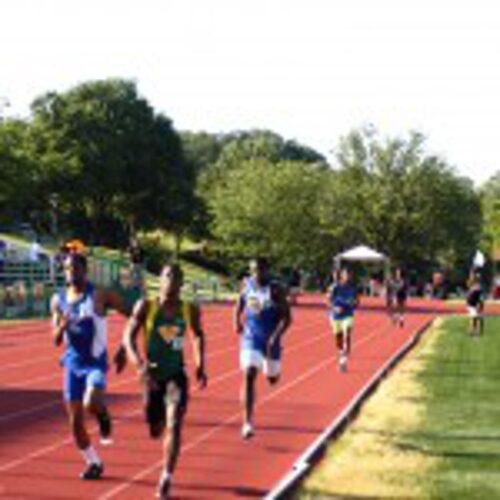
343, 300
85, 356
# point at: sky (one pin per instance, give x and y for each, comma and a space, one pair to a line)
310, 70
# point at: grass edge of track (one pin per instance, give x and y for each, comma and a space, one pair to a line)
419, 435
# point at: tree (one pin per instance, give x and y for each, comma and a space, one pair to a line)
121, 160
490, 202
18, 179
239, 147
267, 208
389, 194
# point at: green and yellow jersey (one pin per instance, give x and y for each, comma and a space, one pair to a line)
164, 338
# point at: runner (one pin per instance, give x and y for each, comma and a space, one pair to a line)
343, 300
262, 316
475, 306
164, 321
78, 313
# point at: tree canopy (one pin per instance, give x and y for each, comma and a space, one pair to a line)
102, 163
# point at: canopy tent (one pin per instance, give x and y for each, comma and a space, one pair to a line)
361, 253
365, 254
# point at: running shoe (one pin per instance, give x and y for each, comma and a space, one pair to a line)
92, 472
247, 431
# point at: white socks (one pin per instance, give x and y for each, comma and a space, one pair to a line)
90, 455
166, 476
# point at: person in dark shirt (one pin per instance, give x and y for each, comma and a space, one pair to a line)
475, 306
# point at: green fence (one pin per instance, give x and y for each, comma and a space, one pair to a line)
26, 288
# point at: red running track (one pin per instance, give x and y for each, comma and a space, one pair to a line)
38, 459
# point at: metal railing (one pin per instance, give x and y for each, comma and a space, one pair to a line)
26, 287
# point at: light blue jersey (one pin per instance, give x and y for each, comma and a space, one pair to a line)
262, 315
85, 336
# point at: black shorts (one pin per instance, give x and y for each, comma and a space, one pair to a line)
172, 391
401, 299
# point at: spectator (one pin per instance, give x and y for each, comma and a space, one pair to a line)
35, 251
3, 258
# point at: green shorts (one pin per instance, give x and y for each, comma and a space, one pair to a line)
342, 325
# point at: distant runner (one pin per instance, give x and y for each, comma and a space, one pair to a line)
398, 291
343, 300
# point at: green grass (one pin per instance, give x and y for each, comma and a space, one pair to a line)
462, 420
432, 430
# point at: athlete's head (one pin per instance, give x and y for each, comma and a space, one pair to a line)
75, 269
259, 269
345, 276
335, 275
171, 280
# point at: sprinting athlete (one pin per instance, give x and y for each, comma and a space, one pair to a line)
164, 322
262, 316
78, 313
343, 300
475, 306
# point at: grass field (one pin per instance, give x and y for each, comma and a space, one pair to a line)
432, 430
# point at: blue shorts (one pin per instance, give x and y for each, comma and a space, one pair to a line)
76, 382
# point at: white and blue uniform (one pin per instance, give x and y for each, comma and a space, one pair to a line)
262, 316
85, 357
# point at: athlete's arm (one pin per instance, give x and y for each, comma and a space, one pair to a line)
198, 339
285, 316
238, 312
131, 332
59, 321
328, 295
108, 299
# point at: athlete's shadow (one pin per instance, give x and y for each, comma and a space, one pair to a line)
26, 411
238, 491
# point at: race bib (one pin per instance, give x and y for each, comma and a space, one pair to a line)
169, 332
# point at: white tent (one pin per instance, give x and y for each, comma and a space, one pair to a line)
366, 254
361, 253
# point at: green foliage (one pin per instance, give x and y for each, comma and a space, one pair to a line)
387, 194
18, 186
239, 147
109, 158
490, 201
413, 207
266, 208
98, 162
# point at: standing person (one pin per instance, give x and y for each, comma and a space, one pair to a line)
136, 255
164, 321
262, 316
343, 300
78, 315
475, 306
390, 295
3, 258
400, 296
